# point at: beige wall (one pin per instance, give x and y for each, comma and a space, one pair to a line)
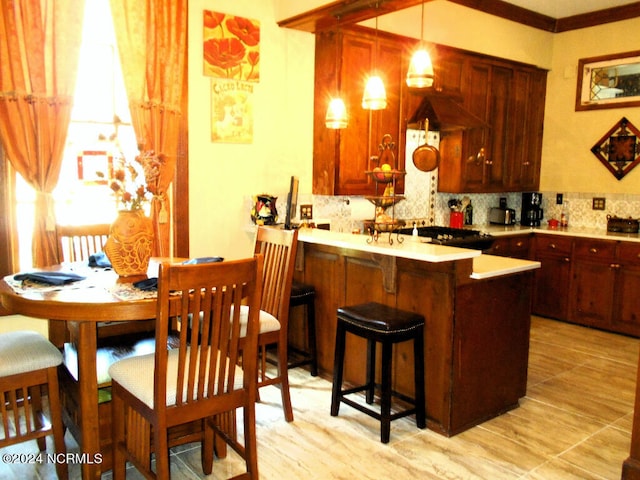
567, 162
223, 176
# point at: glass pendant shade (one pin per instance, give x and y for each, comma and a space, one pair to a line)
336, 114
420, 74
375, 96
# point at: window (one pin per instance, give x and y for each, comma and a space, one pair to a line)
100, 122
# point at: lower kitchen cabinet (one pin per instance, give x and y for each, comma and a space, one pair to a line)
626, 301
551, 287
590, 282
593, 282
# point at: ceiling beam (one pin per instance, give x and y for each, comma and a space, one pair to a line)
347, 12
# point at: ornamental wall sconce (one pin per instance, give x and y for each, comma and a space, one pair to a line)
619, 149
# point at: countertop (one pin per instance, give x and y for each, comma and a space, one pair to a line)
484, 266
601, 233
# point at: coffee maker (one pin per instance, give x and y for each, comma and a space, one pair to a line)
531, 209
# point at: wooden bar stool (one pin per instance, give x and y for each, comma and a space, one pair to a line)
305, 295
29, 362
387, 325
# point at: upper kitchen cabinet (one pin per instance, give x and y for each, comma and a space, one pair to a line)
344, 60
504, 155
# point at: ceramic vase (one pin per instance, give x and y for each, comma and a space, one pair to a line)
264, 210
130, 243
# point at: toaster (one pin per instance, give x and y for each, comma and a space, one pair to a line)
502, 216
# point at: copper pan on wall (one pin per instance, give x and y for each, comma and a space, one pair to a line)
426, 157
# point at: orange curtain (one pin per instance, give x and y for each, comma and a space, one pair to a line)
39, 49
152, 41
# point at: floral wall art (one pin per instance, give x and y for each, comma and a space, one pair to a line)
232, 58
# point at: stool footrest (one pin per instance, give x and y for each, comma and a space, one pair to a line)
374, 413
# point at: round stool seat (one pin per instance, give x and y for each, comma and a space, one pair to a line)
301, 293
380, 318
379, 323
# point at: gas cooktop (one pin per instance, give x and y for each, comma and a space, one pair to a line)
454, 237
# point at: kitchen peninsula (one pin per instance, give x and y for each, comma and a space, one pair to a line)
476, 307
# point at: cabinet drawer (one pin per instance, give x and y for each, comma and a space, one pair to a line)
600, 249
629, 252
554, 243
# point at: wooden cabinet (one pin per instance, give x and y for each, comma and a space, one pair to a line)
591, 282
626, 301
476, 350
516, 246
343, 62
508, 96
606, 282
552, 280
526, 128
504, 156
592, 286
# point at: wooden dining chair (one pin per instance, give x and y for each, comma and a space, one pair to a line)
279, 249
77, 243
28, 365
204, 378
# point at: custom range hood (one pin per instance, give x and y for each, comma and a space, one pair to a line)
445, 113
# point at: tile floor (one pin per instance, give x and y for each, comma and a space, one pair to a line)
574, 423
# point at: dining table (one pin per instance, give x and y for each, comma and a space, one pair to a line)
101, 296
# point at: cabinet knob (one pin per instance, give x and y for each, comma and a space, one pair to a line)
519, 244
593, 250
615, 265
552, 246
567, 259
526, 164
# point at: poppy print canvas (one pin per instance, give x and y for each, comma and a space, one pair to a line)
231, 47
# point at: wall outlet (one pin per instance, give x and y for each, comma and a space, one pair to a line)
306, 212
559, 198
598, 203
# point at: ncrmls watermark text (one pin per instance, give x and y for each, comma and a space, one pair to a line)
79, 458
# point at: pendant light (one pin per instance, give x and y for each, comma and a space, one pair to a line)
420, 73
375, 96
336, 117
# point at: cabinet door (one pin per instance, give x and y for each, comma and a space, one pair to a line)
594, 274
626, 308
527, 127
499, 145
552, 280
343, 62
592, 293
475, 146
551, 288
353, 158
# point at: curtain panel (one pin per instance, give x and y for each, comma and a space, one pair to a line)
152, 41
39, 50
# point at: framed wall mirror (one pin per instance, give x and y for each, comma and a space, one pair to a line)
609, 81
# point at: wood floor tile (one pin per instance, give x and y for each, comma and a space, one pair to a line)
574, 423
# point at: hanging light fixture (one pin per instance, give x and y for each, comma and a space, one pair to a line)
336, 117
375, 96
420, 73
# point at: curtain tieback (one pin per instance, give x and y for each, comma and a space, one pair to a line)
163, 215
46, 199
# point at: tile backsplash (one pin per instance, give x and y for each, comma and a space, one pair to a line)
425, 205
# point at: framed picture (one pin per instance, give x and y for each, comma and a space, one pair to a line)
609, 81
90, 162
